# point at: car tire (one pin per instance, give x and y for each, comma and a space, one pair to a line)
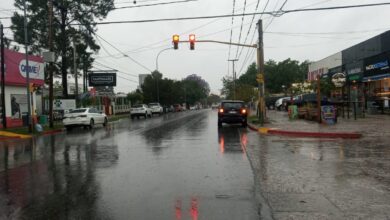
91, 124
105, 122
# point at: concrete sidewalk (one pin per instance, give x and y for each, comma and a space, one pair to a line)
370, 126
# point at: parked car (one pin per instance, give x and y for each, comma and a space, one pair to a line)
140, 110
178, 107
279, 103
232, 112
270, 102
156, 108
87, 117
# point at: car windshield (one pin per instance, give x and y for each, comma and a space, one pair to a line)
80, 110
153, 104
235, 105
138, 106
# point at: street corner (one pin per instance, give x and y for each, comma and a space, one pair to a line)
11, 135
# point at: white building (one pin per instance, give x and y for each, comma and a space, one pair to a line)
321, 67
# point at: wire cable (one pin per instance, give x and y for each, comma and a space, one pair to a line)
156, 4
242, 22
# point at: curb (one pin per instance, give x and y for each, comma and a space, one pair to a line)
11, 135
52, 132
345, 135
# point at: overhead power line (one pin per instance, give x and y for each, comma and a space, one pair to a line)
155, 4
273, 13
124, 54
242, 23
231, 31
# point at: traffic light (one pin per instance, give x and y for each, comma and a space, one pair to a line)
192, 41
33, 87
175, 41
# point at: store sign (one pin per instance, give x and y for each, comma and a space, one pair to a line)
328, 113
16, 70
380, 65
339, 79
354, 71
102, 79
35, 69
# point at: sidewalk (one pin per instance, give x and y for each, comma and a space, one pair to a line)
370, 126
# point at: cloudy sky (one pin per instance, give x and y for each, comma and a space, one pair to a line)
301, 36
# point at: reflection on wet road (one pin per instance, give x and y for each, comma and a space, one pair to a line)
179, 166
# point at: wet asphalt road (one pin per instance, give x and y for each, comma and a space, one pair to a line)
179, 166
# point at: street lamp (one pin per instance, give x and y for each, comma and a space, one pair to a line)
158, 55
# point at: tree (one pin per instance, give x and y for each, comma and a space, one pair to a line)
135, 97
213, 98
67, 14
195, 89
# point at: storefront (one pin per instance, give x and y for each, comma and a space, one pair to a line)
354, 85
377, 81
16, 88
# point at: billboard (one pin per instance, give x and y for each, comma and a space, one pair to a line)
102, 79
16, 68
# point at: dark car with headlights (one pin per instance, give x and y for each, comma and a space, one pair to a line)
232, 112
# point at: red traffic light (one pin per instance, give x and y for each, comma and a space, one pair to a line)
175, 41
192, 41
192, 37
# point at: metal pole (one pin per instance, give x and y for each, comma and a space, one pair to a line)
260, 75
234, 77
158, 55
51, 95
2, 78
319, 99
76, 93
29, 119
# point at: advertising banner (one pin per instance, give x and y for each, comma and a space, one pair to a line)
16, 69
329, 114
102, 79
18, 105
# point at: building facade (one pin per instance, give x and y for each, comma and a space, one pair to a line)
16, 85
367, 71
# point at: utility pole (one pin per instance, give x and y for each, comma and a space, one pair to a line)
76, 93
260, 75
51, 95
319, 99
27, 68
2, 78
234, 77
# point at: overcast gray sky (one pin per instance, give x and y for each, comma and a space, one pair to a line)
143, 41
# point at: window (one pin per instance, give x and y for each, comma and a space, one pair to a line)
80, 110
235, 105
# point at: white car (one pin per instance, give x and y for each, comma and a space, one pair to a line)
279, 103
87, 117
156, 108
140, 110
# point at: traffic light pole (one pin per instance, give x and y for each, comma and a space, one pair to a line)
260, 66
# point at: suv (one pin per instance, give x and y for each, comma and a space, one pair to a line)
140, 110
156, 108
232, 112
